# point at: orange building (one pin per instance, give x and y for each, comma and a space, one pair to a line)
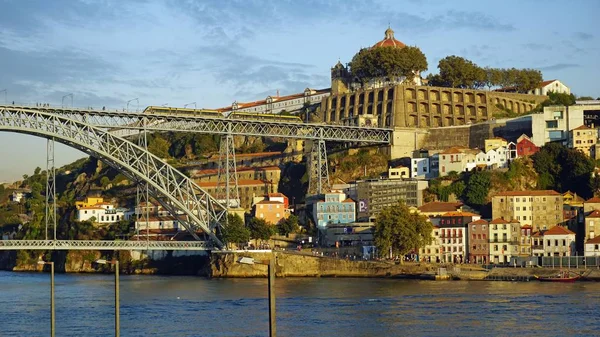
271, 211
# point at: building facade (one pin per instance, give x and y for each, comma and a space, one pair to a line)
525, 147
374, 195
546, 87
504, 240
419, 168
584, 139
540, 209
554, 124
399, 172
559, 241
335, 208
454, 238
457, 159
431, 252
479, 250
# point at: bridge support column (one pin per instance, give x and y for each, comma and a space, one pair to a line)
227, 180
50, 188
142, 192
318, 169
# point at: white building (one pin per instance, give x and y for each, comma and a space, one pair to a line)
557, 241
546, 87
20, 194
592, 247
103, 213
419, 168
555, 123
497, 158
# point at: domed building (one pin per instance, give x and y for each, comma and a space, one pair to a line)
341, 77
389, 40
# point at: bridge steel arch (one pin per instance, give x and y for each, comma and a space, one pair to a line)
203, 211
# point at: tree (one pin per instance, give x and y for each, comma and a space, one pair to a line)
36, 191
37, 170
260, 229
561, 169
398, 229
289, 225
477, 188
104, 181
459, 72
234, 231
493, 77
527, 79
159, 147
585, 98
387, 62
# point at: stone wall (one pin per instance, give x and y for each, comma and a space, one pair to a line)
299, 265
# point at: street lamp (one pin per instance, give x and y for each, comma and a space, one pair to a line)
194, 103
52, 317
63, 100
117, 314
5, 96
270, 263
131, 100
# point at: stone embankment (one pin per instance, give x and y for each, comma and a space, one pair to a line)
224, 264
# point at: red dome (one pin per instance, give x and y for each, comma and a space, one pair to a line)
389, 40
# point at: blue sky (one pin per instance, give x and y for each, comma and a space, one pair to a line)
214, 52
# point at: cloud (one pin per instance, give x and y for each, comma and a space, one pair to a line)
536, 46
559, 66
583, 36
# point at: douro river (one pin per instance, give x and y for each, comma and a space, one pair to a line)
193, 306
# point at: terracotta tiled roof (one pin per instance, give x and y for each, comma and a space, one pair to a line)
499, 221
250, 155
558, 230
460, 214
479, 222
582, 127
594, 200
92, 207
594, 240
593, 214
536, 234
437, 206
545, 83
349, 200
389, 40
526, 227
241, 182
452, 150
269, 202
527, 193
239, 169
276, 195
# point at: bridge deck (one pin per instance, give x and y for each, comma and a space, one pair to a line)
102, 245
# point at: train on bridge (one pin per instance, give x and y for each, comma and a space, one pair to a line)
219, 114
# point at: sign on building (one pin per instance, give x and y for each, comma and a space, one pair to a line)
363, 206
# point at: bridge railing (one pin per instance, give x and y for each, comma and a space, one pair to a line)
103, 245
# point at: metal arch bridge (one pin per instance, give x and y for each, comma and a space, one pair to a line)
201, 211
130, 123
103, 245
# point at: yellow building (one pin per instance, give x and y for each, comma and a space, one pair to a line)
572, 199
584, 139
494, 143
399, 172
88, 202
431, 252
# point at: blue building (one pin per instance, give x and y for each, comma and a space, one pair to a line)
336, 208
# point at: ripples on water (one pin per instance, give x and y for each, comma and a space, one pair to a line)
190, 306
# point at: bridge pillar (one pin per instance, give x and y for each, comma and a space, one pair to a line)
227, 180
50, 188
142, 190
318, 169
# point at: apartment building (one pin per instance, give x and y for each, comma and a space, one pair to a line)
541, 209
479, 249
504, 240
584, 139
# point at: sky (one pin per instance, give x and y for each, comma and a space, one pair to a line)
107, 52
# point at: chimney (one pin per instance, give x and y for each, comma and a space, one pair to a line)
277, 93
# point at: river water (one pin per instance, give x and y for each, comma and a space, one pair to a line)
192, 306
